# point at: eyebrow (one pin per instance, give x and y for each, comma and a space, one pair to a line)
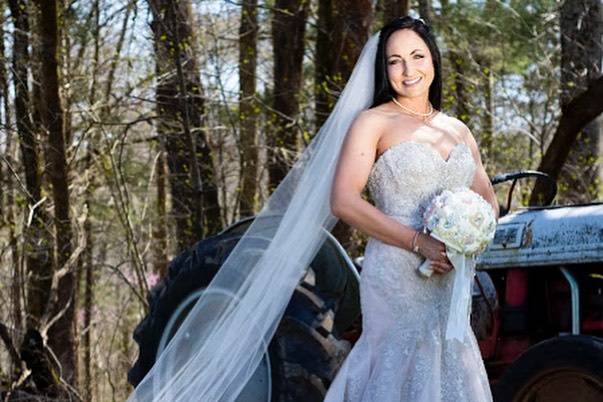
397, 55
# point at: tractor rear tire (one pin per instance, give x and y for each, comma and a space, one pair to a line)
303, 355
566, 368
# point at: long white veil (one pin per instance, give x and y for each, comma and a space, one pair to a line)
222, 340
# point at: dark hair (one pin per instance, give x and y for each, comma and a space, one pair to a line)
383, 89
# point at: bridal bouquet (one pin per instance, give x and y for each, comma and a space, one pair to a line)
462, 220
465, 223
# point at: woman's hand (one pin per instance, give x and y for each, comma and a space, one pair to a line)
435, 251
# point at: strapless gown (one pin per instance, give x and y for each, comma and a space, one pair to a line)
402, 355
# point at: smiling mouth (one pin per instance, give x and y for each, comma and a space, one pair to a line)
411, 82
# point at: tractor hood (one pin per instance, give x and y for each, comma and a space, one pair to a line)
547, 236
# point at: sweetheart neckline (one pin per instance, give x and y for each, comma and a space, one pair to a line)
429, 147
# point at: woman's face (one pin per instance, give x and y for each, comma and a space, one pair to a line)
409, 64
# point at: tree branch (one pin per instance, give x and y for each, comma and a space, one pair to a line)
574, 117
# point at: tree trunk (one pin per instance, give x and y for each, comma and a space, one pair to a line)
8, 216
343, 31
180, 111
160, 244
37, 239
62, 333
248, 33
459, 90
390, 9
288, 28
458, 65
86, 260
581, 53
351, 31
88, 289
486, 136
485, 62
3, 101
323, 80
425, 11
88, 301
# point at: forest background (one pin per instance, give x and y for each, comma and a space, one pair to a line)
131, 129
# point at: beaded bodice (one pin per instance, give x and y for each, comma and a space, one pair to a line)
408, 174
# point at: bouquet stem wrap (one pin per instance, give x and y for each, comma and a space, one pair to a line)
460, 301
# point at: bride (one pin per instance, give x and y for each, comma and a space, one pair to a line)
389, 110
402, 354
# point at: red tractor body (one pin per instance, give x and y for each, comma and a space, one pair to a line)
538, 298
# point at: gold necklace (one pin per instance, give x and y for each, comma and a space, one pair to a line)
412, 111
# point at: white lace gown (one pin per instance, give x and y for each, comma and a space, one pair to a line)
402, 354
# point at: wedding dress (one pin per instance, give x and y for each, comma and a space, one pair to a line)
402, 355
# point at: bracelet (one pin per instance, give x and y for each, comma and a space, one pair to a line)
415, 247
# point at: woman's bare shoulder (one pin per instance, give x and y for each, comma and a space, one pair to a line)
452, 121
379, 113
376, 120
371, 121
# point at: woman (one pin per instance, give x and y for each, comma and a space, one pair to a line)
224, 337
402, 354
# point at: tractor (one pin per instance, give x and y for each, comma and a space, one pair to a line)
537, 308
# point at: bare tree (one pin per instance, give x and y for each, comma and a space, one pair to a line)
343, 30
180, 108
581, 54
62, 332
391, 9
8, 213
575, 116
3, 101
248, 33
486, 76
38, 238
288, 28
160, 244
323, 80
86, 262
425, 10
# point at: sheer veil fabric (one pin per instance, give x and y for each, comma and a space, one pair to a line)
222, 340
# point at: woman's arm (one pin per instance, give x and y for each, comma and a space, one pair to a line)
481, 182
351, 175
